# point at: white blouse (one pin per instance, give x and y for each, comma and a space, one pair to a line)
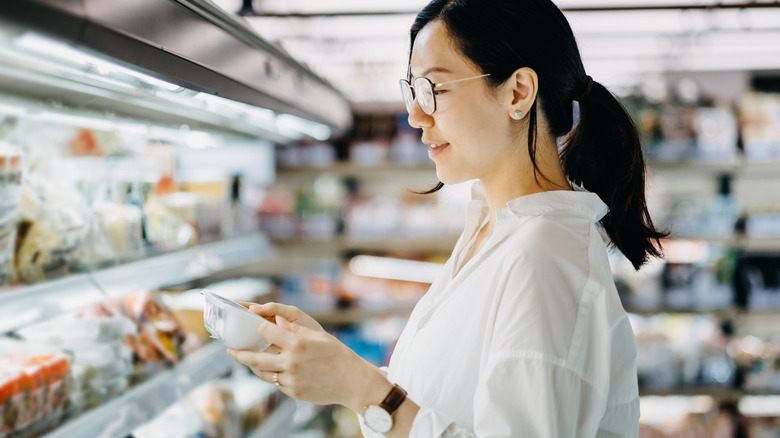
528, 338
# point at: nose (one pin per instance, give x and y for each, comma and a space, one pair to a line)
417, 117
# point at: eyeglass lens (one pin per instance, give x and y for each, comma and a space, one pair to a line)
423, 91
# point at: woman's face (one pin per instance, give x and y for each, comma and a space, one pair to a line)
469, 135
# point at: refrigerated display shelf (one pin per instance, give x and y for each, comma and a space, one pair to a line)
279, 424
57, 297
119, 417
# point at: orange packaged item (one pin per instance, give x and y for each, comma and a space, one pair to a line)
54, 369
12, 388
34, 377
6, 404
59, 384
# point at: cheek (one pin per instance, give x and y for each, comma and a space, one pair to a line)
474, 128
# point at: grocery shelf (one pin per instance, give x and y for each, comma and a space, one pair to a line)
743, 242
279, 424
719, 394
394, 170
119, 417
53, 298
722, 312
422, 243
352, 316
737, 166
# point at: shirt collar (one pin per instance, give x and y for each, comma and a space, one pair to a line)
578, 201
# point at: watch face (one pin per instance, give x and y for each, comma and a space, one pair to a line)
378, 419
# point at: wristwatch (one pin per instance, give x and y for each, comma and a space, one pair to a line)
379, 418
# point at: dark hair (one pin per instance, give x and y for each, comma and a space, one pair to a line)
602, 153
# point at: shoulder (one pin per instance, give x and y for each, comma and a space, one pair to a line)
553, 241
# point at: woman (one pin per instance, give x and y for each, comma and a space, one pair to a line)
522, 334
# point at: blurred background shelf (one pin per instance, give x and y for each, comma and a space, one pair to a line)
424, 243
279, 423
740, 167
394, 170
719, 394
721, 312
354, 316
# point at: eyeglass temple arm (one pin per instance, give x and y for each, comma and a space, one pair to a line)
460, 80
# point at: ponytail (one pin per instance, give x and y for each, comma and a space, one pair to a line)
603, 154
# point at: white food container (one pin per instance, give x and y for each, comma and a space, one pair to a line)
233, 324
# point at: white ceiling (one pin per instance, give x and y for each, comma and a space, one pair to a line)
364, 55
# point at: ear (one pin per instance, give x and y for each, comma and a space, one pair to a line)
523, 86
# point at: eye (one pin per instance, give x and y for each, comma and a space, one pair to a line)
438, 92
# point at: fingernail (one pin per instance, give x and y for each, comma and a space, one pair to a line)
256, 307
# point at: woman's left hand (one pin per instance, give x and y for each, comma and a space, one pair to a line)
313, 365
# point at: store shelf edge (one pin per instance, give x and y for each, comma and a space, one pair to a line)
70, 293
279, 423
119, 417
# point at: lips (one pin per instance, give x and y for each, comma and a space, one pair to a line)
436, 149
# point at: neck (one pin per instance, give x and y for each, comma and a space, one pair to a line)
512, 182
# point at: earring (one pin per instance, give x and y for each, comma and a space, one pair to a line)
518, 115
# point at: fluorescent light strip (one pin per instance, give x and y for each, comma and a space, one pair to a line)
101, 71
759, 406
395, 269
663, 410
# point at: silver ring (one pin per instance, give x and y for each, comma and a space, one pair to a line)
276, 379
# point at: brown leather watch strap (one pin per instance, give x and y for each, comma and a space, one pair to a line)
394, 398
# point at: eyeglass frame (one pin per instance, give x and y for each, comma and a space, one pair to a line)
406, 83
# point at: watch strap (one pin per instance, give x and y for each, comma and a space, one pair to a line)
394, 398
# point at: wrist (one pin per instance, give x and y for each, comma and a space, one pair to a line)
370, 389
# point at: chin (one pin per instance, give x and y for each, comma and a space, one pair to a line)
448, 178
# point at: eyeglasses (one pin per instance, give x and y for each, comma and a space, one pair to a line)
423, 91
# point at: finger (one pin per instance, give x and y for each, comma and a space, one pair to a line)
258, 361
273, 349
268, 376
288, 325
246, 304
276, 335
270, 310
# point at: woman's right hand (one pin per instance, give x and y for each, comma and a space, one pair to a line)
293, 314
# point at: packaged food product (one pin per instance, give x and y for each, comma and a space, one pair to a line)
233, 324
187, 308
31, 390
71, 331
54, 223
10, 197
12, 388
158, 327
123, 228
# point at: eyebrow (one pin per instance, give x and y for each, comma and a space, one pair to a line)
432, 70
